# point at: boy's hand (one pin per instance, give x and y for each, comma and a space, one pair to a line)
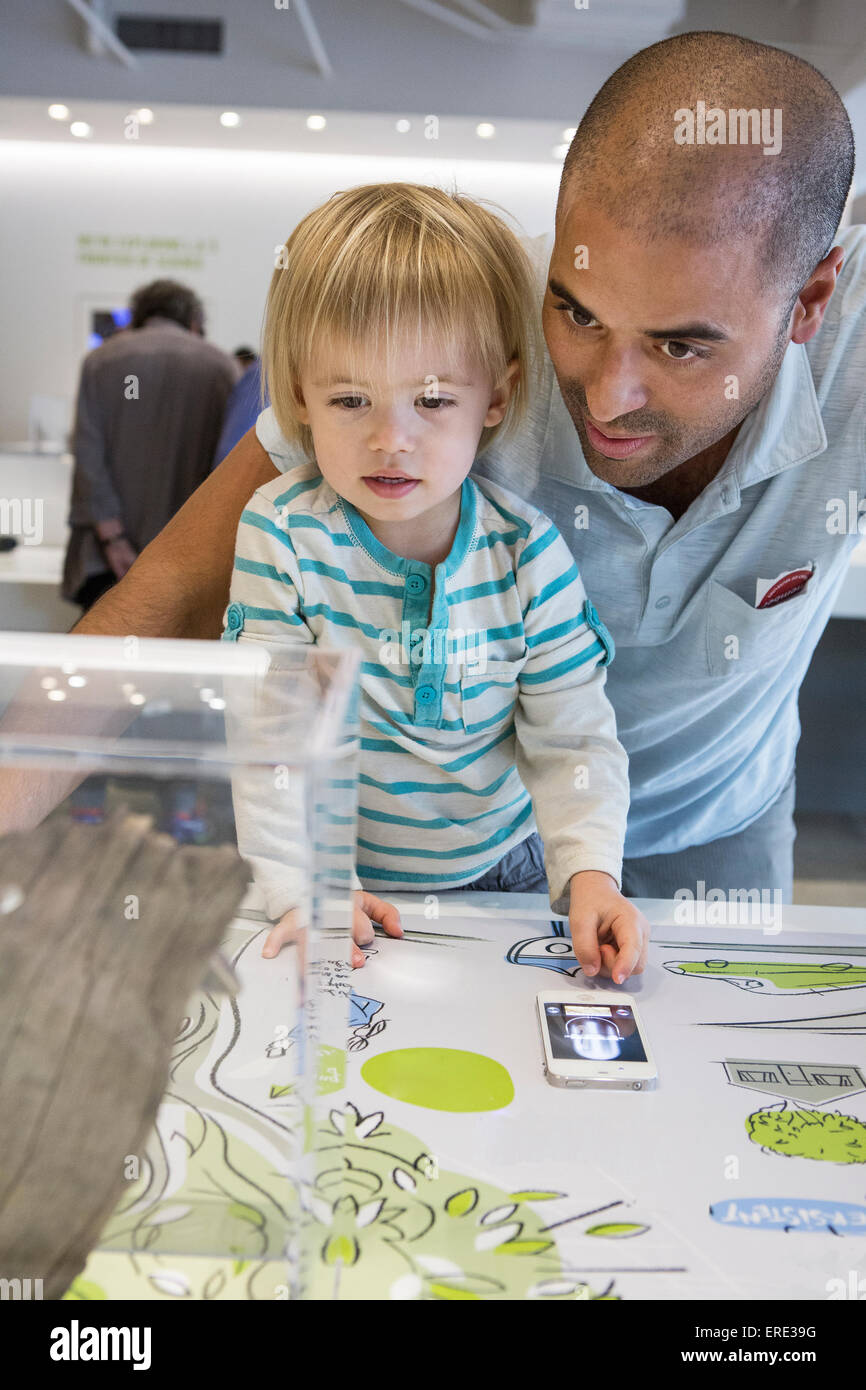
610, 936
370, 909
367, 910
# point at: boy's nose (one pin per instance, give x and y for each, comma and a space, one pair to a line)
390, 434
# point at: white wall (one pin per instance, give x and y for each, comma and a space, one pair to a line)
248, 201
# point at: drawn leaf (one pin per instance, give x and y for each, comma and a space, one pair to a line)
617, 1229
377, 1027
86, 1290
497, 1214
241, 1211
462, 1202
442, 1269
491, 1240
452, 1291
338, 1120
214, 1284
552, 1288
523, 1247
171, 1282
277, 1091
238, 1267
341, 1249
369, 1211
535, 1196
404, 1179
369, 1124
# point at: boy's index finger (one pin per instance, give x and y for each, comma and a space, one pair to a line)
584, 936
630, 944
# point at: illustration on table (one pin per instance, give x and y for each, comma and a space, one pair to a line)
788, 977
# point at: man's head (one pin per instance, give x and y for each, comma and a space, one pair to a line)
167, 299
686, 257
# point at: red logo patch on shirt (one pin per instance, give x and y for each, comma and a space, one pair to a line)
784, 586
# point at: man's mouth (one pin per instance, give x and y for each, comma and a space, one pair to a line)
615, 446
390, 484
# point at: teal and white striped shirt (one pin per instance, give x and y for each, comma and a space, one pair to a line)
483, 710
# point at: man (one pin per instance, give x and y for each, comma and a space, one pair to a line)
150, 408
705, 432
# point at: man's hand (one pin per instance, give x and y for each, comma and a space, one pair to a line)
367, 910
120, 555
610, 936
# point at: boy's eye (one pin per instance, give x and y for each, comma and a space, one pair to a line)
349, 402
433, 402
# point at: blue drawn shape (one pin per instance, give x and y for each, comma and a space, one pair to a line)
552, 952
362, 1010
769, 1214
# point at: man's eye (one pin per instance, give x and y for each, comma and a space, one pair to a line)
681, 352
579, 317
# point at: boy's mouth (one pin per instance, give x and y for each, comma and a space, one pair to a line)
390, 484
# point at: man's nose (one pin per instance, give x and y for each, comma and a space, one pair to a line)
614, 386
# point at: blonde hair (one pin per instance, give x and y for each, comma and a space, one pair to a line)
376, 263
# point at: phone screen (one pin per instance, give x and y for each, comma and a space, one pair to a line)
593, 1033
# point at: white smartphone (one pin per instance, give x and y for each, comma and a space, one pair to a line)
594, 1037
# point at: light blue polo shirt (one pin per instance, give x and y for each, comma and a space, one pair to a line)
704, 684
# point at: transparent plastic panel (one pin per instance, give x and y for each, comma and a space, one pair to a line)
163, 1085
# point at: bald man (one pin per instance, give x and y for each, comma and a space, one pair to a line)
699, 425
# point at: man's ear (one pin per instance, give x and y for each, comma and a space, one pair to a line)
816, 295
501, 394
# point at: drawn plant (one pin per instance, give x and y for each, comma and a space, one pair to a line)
826, 1135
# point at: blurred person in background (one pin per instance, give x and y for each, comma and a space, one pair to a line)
245, 403
150, 409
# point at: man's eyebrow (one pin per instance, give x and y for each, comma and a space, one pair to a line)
699, 329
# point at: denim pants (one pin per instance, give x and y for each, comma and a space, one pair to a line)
761, 856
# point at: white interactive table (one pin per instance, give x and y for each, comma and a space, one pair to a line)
450, 1169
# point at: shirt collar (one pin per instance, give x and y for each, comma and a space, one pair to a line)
398, 564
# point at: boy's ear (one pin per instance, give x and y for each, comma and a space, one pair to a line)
501, 394
301, 410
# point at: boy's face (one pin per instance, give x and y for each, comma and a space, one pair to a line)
398, 438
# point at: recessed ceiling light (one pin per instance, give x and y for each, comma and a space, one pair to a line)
80, 129
403, 126
77, 680
137, 699
485, 131
559, 151
569, 133
145, 115
57, 694
316, 123
230, 118
58, 112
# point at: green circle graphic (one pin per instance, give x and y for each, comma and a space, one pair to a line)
440, 1078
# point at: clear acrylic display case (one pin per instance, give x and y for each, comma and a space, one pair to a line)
161, 803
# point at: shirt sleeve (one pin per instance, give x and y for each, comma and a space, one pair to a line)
568, 755
94, 496
271, 815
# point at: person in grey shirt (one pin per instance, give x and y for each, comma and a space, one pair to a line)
151, 402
